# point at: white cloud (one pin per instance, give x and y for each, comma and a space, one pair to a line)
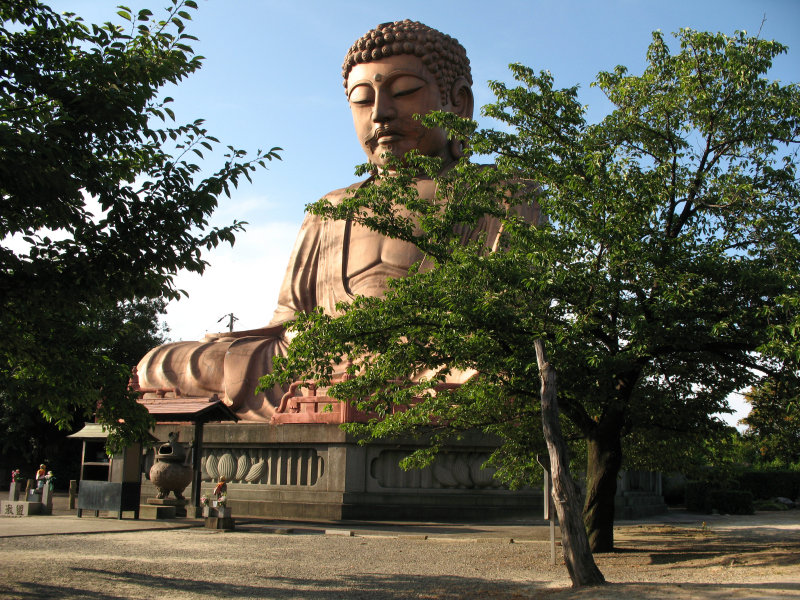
243, 280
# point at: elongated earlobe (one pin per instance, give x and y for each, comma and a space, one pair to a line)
456, 149
461, 100
461, 104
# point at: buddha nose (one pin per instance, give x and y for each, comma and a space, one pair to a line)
383, 109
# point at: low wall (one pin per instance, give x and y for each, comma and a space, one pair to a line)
316, 471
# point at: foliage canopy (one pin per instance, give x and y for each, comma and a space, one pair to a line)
124, 333
664, 278
102, 202
773, 424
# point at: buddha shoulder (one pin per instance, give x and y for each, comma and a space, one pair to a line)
335, 197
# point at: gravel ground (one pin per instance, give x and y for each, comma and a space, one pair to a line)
748, 557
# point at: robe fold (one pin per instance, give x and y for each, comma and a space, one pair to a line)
230, 366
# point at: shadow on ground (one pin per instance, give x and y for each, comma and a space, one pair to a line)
683, 591
364, 586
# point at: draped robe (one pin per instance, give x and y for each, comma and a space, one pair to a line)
230, 366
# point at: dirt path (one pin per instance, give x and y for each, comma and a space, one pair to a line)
744, 557
731, 557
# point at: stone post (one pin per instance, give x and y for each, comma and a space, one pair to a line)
73, 493
13, 491
47, 500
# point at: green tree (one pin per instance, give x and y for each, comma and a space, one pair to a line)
123, 334
773, 424
130, 329
102, 204
667, 269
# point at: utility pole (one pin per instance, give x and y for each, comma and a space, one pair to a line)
230, 318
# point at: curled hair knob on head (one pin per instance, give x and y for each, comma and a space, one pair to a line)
442, 55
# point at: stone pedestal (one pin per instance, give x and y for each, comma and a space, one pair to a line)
218, 517
220, 523
162, 508
20, 508
14, 490
217, 511
47, 500
150, 512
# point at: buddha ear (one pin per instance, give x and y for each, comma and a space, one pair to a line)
462, 101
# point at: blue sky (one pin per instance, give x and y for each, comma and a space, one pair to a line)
272, 77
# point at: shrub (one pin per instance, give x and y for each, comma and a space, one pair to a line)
769, 505
674, 489
732, 502
770, 484
697, 497
703, 498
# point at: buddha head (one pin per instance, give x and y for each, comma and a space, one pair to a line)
399, 70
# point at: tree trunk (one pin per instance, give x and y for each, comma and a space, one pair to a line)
604, 459
578, 557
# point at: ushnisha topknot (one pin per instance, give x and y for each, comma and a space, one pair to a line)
441, 54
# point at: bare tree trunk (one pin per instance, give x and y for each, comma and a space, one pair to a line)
604, 459
578, 557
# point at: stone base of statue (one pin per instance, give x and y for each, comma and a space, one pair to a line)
162, 508
316, 471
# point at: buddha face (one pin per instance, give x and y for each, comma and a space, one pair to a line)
384, 95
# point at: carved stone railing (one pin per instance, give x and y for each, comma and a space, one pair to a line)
453, 470
267, 466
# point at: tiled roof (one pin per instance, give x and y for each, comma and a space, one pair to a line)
185, 408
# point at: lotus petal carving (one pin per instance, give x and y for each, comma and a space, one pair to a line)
242, 467
226, 466
256, 471
480, 477
443, 472
461, 471
210, 465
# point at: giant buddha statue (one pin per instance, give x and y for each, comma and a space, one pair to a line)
392, 73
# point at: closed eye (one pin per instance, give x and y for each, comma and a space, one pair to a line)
405, 85
362, 95
407, 92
